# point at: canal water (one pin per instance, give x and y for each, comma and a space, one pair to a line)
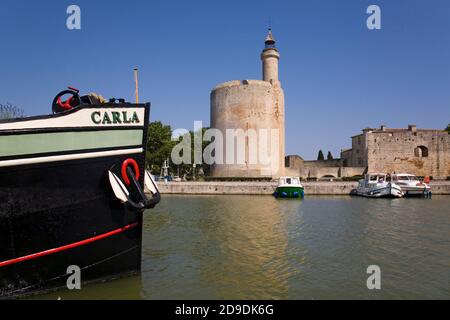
256, 247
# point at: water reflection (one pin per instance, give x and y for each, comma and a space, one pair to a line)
242, 247
245, 253
236, 249
129, 288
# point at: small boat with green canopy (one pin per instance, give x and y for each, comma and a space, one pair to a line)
289, 187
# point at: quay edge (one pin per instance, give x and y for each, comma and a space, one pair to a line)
267, 188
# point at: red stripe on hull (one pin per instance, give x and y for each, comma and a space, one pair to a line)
67, 247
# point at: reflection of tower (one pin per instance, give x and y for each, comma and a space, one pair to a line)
252, 105
249, 256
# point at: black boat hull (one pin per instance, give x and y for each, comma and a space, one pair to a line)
54, 215
43, 208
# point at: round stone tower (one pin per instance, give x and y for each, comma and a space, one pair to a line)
250, 116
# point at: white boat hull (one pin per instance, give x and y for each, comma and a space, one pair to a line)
388, 191
415, 191
411, 192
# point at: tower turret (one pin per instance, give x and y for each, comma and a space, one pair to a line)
270, 57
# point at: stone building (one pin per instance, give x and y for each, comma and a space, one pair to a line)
320, 169
422, 152
251, 105
418, 151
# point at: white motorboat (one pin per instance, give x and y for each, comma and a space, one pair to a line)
411, 185
378, 185
289, 187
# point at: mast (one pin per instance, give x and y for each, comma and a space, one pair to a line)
136, 84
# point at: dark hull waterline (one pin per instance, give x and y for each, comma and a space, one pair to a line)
44, 209
57, 214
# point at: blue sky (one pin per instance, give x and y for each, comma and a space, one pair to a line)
338, 76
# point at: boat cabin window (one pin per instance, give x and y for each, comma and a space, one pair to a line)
289, 181
407, 178
377, 178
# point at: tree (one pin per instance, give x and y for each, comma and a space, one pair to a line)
187, 169
9, 111
448, 129
330, 156
320, 157
159, 149
205, 167
159, 145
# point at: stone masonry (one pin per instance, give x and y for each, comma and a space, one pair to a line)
423, 152
251, 106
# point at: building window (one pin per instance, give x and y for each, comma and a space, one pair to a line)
287, 162
421, 152
359, 140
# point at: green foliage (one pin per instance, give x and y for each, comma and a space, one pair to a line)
320, 157
448, 129
159, 149
159, 145
187, 170
206, 168
9, 111
330, 156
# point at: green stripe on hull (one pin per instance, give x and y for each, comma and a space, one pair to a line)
289, 191
67, 141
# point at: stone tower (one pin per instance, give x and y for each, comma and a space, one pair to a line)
250, 116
